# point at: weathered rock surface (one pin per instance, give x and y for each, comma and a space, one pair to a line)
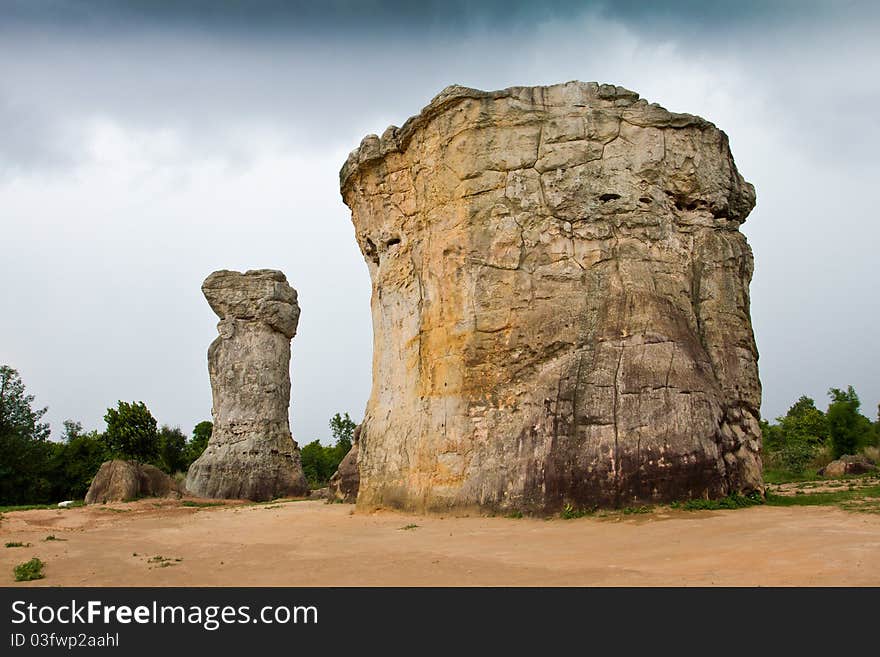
345, 482
560, 304
120, 481
848, 465
251, 454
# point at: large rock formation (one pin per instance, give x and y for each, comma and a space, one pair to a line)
121, 481
251, 454
560, 304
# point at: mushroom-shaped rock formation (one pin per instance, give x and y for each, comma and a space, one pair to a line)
251, 454
560, 304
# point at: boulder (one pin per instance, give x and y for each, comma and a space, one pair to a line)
121, 481
560, 301
320, 493
345, 481
251, 453
848, 465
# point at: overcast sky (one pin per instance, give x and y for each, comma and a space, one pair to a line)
145, 144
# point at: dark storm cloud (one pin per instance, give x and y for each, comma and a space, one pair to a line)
378, 16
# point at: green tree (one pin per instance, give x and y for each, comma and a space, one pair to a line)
76, 460
16, 413
342, 428
25, 450
131, 432
805, 423
201, 435
848, 429
319, 461
172, 450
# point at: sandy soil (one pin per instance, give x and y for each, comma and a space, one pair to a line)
310, 543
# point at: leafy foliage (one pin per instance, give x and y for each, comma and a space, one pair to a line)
319, 461
131, 432
201, 434
570, 512
735, 501
848, 429
172, 450
35, 470
76, 460
29, 570
25, 449
342, 429
805, 437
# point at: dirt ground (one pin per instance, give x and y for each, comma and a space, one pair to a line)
310, 543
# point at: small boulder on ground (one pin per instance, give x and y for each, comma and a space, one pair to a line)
320, 493
120, 481
848, 465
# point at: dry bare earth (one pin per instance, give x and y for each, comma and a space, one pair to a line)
311, 543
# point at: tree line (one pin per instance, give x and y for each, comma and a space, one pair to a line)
37, 470
806, 437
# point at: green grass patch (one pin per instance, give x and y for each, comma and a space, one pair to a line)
734, 501
201, 505
843, 498
514, 515
775, 476
52, 537
15, 544
408, 527
29, 570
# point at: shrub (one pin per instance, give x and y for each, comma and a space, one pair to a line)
735, 501
570, 512
29, 570
795, 456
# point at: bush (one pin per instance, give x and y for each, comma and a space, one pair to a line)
735, 501
795, 456
29, 570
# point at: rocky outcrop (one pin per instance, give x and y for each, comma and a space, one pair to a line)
848, 464
345, 482
560, 304
251, 454
121, 481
